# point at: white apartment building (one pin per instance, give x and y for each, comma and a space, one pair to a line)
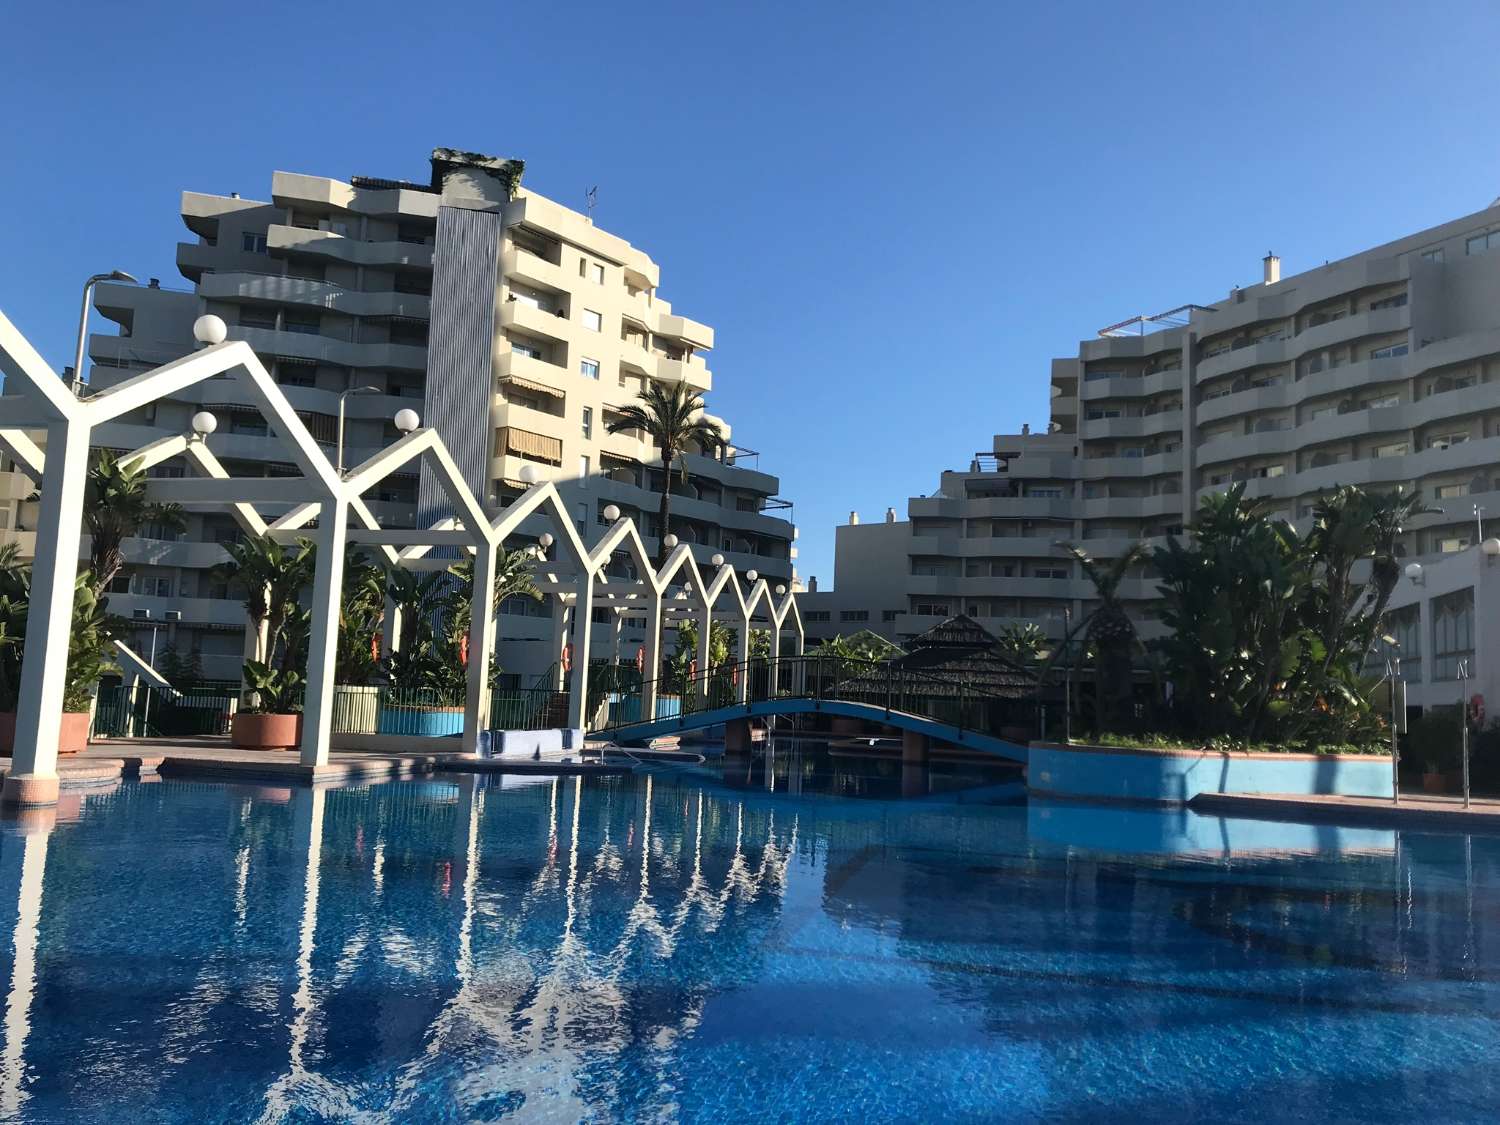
511, 323
1381, 369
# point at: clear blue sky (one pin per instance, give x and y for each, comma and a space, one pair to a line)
894, 215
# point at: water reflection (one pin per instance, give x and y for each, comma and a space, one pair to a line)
685, 944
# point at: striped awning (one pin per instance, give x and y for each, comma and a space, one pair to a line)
618, 458
524, 443
529, 385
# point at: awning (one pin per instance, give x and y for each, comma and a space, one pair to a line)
618, 458
524, 443
529, 385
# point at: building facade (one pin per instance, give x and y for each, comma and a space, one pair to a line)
1380, 370
512, 324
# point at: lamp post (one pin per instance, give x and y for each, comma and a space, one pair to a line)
83, 319
342, 396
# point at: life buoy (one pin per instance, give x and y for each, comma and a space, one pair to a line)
463, 650
734, 675
1476, 710
693, 669
640, 659
567, 657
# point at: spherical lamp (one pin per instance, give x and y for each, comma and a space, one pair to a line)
1413, 573
204, 423
545, 539
528, 475
751, 575
669, 542
406, 420
780, 590
1490, 547
612, 512
210, 329
717, 560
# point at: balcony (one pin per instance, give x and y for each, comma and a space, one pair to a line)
314, 294
282, 240
195, 611
694, 372
1290, 348
1128, 386
534, 270
535, 322
680, 327
1095, 468
268, 342
1143, 425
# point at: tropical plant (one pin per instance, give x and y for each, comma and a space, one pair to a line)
271, 578
115, 508
671, 415
1109, 634
272, 691
182, 672
361, 611
851, 654
90, 644
15, 593
1023, 644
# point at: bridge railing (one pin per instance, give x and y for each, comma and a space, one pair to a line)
685, 692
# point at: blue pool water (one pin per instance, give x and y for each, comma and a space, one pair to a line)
823, 940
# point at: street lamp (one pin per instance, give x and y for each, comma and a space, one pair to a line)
611, 512
204, 423
342, 396
83, 318
1414, 574
406, 420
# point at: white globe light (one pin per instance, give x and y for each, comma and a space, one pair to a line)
752, 575
1490, 547
406, 420
210, 329
717, 560
204, 423
545, 539
670, 541
1414, 571
612, 512
528, 475
781, 589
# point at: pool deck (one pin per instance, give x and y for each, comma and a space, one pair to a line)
1417, 811
110, 760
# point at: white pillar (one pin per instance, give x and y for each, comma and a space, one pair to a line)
559, 639
49, 622
775, 655
322, 645
800, 686
390, 633
481, 647
744, 659
705, 632
618, 634
652, 645
578, 686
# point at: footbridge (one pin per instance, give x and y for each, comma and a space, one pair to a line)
939, 708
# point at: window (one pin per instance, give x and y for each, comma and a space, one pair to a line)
1444, 441
889, 614
1480, 243
1392, 449
930, 609
251, 317
1389, 351
1095, 376
1381, 402
814, 615
598, 272
1452, 633
1435, 255
252, 243
518, 348
1272, 471
588, 368
303, 323
583, 470
1451, 544
592, 320
854, 615
588, 423
1451, 491
583, 519
1050, 572
1045, 492
153, 587
1396, 302
1096, 413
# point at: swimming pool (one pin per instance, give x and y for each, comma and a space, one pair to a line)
824, 938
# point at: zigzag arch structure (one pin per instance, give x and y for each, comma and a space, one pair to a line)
329, 509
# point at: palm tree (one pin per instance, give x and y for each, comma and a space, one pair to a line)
114, 509
671, 415
271, 577
1024, 645
1110, 632
361, 608
515, 577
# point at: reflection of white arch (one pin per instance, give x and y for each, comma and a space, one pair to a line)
336, 503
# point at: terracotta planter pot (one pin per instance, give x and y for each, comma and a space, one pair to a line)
72, 738
1435, 783
265, 732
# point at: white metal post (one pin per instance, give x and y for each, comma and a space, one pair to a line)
322, 645
578, 686
49, 621
390, 635
481, 647
705, 633
775, 656
652, 662
559, 639
744, 659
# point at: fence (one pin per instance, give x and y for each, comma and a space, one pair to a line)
143, 711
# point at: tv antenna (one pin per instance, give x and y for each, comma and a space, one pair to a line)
592, 196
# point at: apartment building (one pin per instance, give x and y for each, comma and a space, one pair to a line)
511, 323
1381, 369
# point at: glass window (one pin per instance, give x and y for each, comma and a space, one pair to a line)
1481, 243
517, 348
252, 243
598, 274
588, 422
583, 470
1388, 352
592, 320
1433, 255
588, 368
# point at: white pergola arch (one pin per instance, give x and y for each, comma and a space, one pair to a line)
343, 518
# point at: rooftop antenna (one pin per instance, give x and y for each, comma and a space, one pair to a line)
592, 195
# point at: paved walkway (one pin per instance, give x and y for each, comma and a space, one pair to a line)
1417, 810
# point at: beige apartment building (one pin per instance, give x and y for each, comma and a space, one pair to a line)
1381, 369
509, 322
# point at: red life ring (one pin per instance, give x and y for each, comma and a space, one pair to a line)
567, 657
640, 659
734, 675
463, 650
1476, 710
693, 668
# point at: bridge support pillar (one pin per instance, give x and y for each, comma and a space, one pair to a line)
915, 747
737, 737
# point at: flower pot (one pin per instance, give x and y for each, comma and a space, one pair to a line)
356, 709
422, 722
265, 732
1435, 782
72, 737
